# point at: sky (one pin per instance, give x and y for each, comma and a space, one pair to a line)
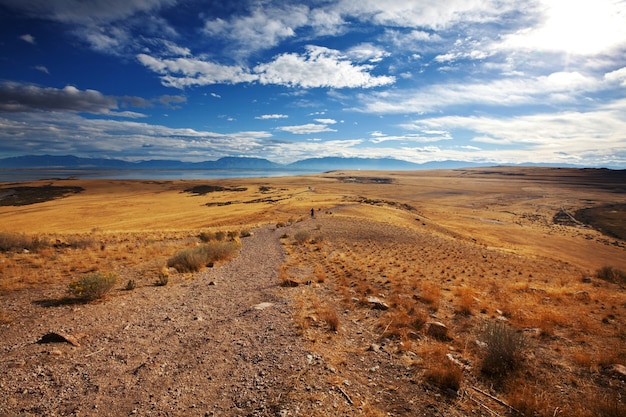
496, 81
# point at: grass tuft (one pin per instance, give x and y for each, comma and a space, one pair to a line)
610, 274
505, 347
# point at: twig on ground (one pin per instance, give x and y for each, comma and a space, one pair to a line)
345, 394
499, 401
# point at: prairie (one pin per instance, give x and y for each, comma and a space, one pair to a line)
456, 292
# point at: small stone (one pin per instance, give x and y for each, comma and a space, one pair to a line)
263, 306
377, 304
437, 330
373, 348
586, 280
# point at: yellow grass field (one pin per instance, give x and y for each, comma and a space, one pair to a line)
465, 248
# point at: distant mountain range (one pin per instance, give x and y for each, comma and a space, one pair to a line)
227, 163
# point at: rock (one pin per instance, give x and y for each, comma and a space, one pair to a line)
289, 283
373, 348
586, 280
377, 304
58, 338
437, 330
262, 306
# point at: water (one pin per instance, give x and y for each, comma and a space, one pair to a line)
25, 175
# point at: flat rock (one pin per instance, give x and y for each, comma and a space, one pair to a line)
377, 303
262, 306
55, 337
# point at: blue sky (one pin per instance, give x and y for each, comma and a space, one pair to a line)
420, 80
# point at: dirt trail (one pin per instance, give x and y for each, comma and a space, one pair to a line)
223, 343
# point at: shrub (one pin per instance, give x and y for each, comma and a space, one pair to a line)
505, 347
610, 274
329, 316
245, 233
207, 236
445, 375
192, 260
130, 285
93, 286
302, 236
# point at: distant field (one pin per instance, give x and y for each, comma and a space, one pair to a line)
609, 219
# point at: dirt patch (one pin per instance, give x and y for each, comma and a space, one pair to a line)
609, 219
23, 196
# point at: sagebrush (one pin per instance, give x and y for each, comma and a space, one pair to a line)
93, 286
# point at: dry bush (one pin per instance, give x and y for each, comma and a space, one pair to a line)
192, 260
81, 242
505, 348
13, 242
302, 236
329, 315
444, 374
93, 286
610, 274
431, 294
465, 302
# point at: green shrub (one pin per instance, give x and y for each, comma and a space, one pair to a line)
505, 347
192, 260
93, 286
130, 285
610, 274
302, 236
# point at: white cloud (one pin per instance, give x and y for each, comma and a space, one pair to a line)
306, 129
42, 69
318, 67
28, 38
271, 116
575, 27
618, 76
424, 137
539, 137
367, 52
425, 14
184, 72
326, 121
262, 29
556, 87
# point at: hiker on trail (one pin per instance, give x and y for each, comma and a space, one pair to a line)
312, 213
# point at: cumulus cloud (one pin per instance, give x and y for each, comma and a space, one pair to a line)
317, 67
262, 29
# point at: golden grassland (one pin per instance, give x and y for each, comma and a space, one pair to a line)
464, 248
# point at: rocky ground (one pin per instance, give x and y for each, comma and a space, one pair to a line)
222, 343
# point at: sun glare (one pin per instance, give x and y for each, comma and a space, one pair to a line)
581, 27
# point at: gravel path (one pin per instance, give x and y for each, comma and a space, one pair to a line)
223, 343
